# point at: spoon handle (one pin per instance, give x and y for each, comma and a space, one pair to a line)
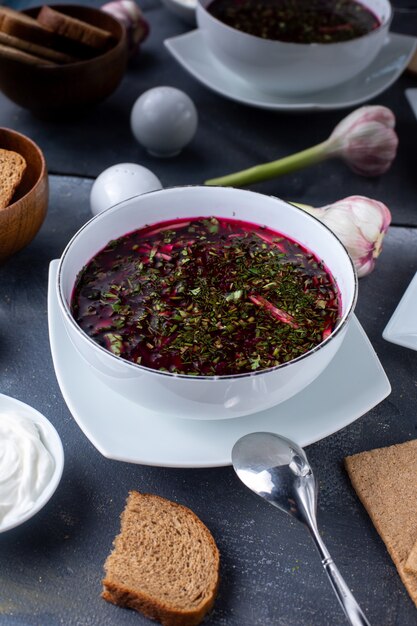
351, 608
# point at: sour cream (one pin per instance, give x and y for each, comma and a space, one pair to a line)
26, 466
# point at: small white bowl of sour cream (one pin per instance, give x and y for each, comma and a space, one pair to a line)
31, 462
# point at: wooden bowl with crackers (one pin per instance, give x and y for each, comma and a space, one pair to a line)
23, 191
58, 60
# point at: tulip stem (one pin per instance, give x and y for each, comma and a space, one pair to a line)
265, 171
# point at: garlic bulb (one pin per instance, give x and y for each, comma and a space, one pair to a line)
130, 15
360, 223
365, 140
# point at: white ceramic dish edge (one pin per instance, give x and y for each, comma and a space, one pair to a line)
206, 397
199, 444
402, 326
383, 71
185, 11
293, 68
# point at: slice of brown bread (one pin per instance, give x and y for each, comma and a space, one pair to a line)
24, 27
12, 168
385, 480
7, 11
75, 29
36, 50
23, 57
17, 24
165, 562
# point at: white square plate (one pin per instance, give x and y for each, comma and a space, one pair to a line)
353, 384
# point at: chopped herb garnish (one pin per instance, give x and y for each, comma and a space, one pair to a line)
297, 21
206, 297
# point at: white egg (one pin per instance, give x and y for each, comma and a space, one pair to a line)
164, 120
120, 182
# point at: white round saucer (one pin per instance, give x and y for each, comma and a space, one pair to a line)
190, 50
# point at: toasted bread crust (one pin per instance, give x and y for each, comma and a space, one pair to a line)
75, 29
42, 52
385, 480
24, 27
12, 168
124, 597
411, 564
154, 531
25, 57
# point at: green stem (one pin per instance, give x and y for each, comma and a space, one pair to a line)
274, 168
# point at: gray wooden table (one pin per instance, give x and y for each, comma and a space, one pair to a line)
51, 567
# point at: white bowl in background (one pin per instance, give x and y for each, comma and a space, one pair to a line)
52, 443
292, 68
184, 9
206, 397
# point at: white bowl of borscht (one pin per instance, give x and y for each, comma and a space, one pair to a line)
294, 47
206, 302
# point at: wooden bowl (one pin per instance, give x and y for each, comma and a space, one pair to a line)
50, 91
21, 220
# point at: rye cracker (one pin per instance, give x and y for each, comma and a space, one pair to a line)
385, 480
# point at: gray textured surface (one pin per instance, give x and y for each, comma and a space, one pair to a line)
230, 136
51, 567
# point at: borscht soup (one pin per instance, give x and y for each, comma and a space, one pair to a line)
206, 296
297, 21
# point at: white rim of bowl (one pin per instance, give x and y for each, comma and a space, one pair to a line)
66, 311
52, 442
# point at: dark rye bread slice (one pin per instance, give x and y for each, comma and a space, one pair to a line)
24, 27
75, 29
12, 168
385, 480
35, 50
165, 562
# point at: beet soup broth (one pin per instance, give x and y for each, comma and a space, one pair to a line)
206, 296
297, 21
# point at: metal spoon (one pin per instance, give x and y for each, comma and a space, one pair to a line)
277, 469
